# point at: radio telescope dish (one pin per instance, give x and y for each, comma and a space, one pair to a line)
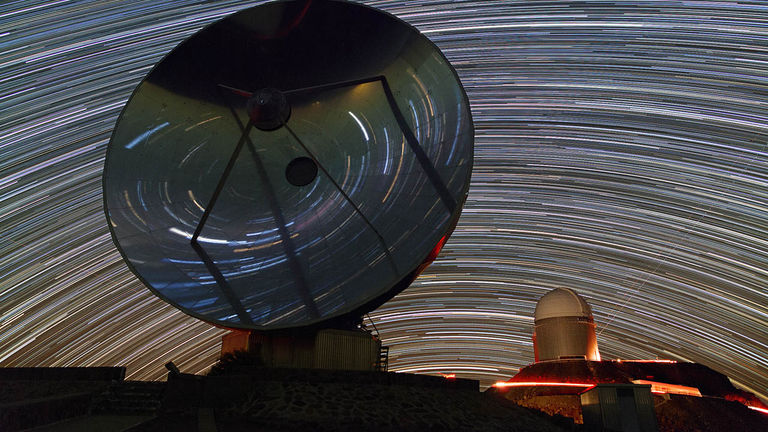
294, 164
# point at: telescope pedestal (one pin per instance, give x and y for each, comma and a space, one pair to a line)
310, 349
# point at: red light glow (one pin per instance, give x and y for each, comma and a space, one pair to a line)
656, 387
662, 388
436, 250
504, 384
448, 375
762, 410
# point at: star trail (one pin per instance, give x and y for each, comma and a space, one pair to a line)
621, 150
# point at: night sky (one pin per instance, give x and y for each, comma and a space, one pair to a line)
621, 150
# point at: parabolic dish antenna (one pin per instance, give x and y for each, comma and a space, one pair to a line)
294, 164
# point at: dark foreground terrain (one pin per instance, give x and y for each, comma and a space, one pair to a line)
264, 399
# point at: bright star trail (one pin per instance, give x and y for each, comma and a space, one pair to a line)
621, 150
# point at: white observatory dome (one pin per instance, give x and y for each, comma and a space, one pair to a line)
564, 328
562, 302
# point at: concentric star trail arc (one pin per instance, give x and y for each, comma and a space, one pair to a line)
621, 150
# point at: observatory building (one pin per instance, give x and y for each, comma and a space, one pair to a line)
564, 328
569, 378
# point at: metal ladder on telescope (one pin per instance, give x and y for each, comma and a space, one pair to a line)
383, 364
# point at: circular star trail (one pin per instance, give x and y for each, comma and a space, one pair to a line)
621, 150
